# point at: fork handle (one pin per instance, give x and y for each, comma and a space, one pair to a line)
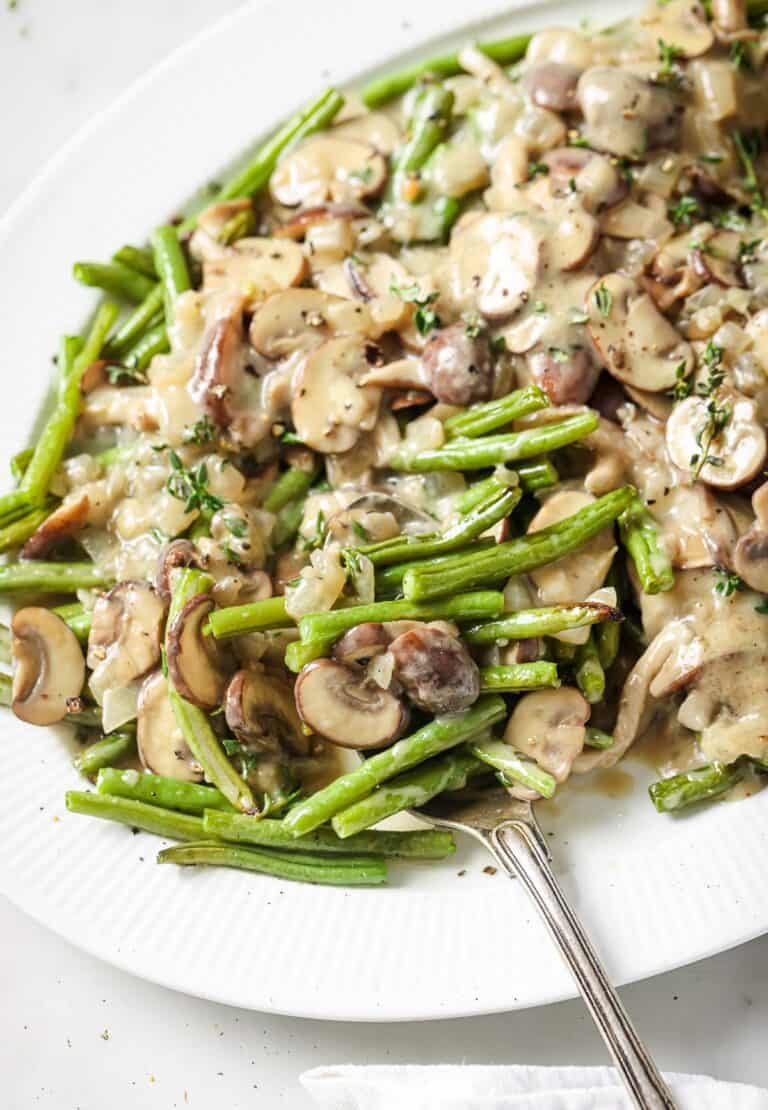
516, 848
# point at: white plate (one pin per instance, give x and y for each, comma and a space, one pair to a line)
654, 892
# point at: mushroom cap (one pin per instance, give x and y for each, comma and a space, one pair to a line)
458, 367
219, 366
552, 85
549, 726
177, 553
376, 129
50, 669
624, 114
370, 278
196, 664
125, 636
343, 705
682, 23
638, 345
741, 446
260, 710
255, 267
161, 744
435, 669
328, 168
496, 261
63, 523
330, 407
301, 319
599, 183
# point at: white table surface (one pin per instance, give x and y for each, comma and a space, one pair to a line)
76, 1034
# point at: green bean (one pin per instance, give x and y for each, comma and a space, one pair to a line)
103, 753
406, 549
695, 785
417, 844
290, 486
78, 619
5, 644
546, 621
596, 738
171, 266
430, 740
518, 676
59, 427
589, 673
389, 580
382, 89
51, 578
70, 348
158, 790
298, 653
514, 767
640, 536
152, 342
427, 128
531, 477
237, 227
287, 524
152, 819
475, 454
341, 871
463, 607
257, 172
114, 278
254, 617
450, 771
193, 722
490, 415
6, 684
138, 258
90, 717
19, 463
149, 314
517, 556
19, 531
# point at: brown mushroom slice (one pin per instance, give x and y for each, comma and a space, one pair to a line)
260, 710
435, 669
49, 666
196, 665
343, 705
177, 553
575, 235
330, 407
301, 319
566, 381
575, 577
624, 115
550, 726
255, 267
718, 258
496, 261
552, 85
372, 279
458, 367
63, 523
739, 449
683, 23
316, 214
638, 345
219, 367
403, 373
328, 168
598, 182
161, 744
126, 630
630, 220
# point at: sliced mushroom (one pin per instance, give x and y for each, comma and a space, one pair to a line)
598, 182
328, 168
575, 236
549, 726
630, 220
560, 44
496, 262
403, 373
124, 641
682, 23
302, 319
178, 553
435, 669
63, 523
162, 747
552, 85
215, 217
727, 706
739, 448
575, 577
219, 367
49, 666
343, 705
197, 666
373, 279
567, 380
410, 519
316, 214
374, 128
638, 345
458, 366
750, 556
623, 114
330, 407
255, 267
718, 258
259, 708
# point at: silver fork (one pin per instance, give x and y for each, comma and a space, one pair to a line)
510, 832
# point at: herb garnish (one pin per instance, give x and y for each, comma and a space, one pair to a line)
191, 486
425, 318
727, 582
202, 431
684, 211
603, 300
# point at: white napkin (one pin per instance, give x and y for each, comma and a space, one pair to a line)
449, 1087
